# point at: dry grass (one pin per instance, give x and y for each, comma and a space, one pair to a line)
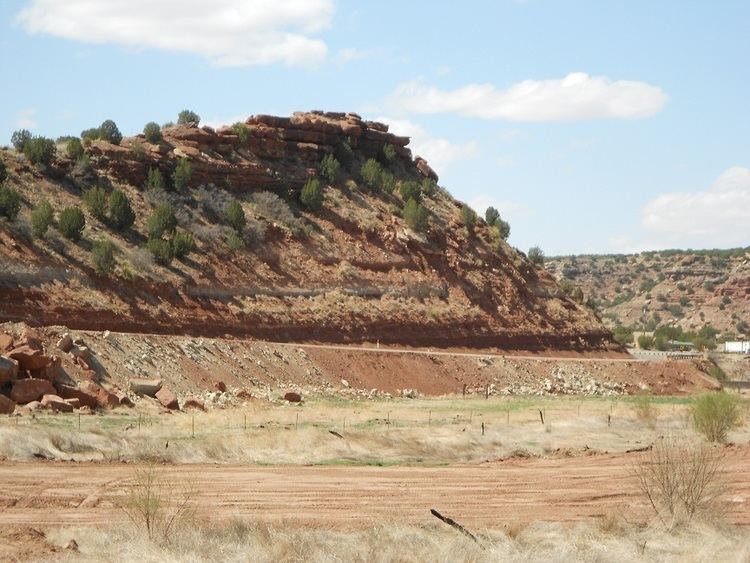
238, 540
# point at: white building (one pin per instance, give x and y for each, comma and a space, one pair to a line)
738, 347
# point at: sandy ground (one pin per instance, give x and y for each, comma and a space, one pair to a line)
565, 489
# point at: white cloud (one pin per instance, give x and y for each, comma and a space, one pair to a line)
227, 32
218, 123
27, 119
439, 153
576, 97
716, 217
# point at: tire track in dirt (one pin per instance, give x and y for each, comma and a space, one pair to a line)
485, 495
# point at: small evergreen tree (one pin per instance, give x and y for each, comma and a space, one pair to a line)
182, 174
242, 132
491, 216
96, 201
428, 186
88, 135
187, 117
103, 256
40, 150
71, 223
108, 131
74, 148
312, 195
152, 132
161, 250
387, 181
235, 216
19, 139
503, 228
121, 214
155, 180
330, 168
410, 190
536, 255
468, 218
10, 202
415, 215
371, 172
389, 152
41, 218
162, 221
182, 244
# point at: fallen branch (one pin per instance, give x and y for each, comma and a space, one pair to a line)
451, 522
336, 434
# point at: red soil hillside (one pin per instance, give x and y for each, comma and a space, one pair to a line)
350, 272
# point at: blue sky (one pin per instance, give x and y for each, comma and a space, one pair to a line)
593, 126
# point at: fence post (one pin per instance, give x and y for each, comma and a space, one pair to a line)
193, 431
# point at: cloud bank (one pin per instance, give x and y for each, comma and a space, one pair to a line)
576, 97
226, 32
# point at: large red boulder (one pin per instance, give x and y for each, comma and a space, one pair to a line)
55, 403
293, 397
104, 397
27, 390
193, 403
8, 370
6, 342
6, 405
84, 397
29, 358
167, 398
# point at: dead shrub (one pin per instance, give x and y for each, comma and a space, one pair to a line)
645, 411
680, 482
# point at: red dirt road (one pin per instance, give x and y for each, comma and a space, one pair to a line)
485, 495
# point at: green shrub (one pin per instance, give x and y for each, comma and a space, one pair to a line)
623, 334
645, 411
715, 414
71, 223
502, 228
121, 214
235, 216
3, 172
536, 255
96, 201
428, 187
10, 202
162, 221
161, 250
242, 132
235, 242
19, 139
155, 180
312, 195
41, 218
410, 190
187, 117
371, 172
88, 135
491, 215
468, 218
389, 152
138, 150
182, 174
74, 148
108, 131
152, 132
645, 342
182, 244
40, 150
415, 215
103, 256
387, 181
330, 168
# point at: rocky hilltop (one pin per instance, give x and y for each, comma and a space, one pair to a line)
350, 268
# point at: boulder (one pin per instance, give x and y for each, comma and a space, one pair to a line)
65, 343
55, 403
6, 342
30, 338
124, 399
52, 371
167, 398
33, 406
243, 394
75, 403
80, 351
6, 405
83, 397
293, 397
27, 390
193, 403
8, 370
29, 358
104, 397
145, 386
220, 386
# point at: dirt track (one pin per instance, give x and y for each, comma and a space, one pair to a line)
491, 494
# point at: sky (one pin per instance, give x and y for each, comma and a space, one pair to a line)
593, 126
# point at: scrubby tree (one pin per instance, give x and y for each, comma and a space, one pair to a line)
10, 202
155, 180
491, 215
187, 117
242, 132
387, 181
182, 174
312, 195
162, 250
389, 152
152, 132
410, 190
71, 223
41, 218
40, 150
235, 216
162, 221
330, 168
3, 173
428, 187
103, 256
371, 173
503, 228
108, 131
182, 244
96, 200
121, 214
536, 255
88, 135
20, 138
415, 215
468, 218
74, 148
